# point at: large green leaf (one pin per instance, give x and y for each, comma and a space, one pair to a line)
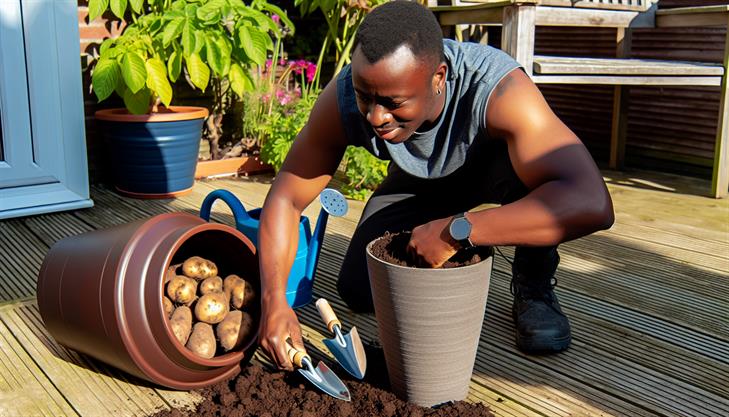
214, 55
105, 77
199, 72
199, 37
240, 82
134, 71
119, 7
253, 43
188, 39
173, 29
174, 65
137, 103
209, 13
136, 5
157, 80
97, 8
105, 45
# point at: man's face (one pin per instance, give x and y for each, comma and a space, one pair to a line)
397, 93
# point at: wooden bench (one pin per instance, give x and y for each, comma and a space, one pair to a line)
518, 19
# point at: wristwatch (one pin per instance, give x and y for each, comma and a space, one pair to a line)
460, 230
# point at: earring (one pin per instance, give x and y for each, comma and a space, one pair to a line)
437, 92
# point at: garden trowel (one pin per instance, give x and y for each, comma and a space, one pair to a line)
347, 349
321, 376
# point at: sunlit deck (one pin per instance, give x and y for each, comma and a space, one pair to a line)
648, 302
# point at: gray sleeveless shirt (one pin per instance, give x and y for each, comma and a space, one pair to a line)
473, 72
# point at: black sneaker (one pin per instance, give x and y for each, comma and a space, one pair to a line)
541, 326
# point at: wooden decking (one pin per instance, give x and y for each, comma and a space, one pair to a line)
647, 301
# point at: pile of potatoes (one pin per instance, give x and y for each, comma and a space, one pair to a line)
204, 309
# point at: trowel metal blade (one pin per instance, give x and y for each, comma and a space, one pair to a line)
327, 381
350, 355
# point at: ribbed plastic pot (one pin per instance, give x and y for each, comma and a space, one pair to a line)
153, 155
100, 293
429, 323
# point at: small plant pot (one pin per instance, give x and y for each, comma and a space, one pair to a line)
153, 155
100, 293
429, 323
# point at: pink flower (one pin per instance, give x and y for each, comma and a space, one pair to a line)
276, 19
283, 97
310, 71
269, 62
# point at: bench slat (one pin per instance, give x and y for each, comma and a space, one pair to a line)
611, 66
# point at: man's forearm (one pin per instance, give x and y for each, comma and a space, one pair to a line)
551, 214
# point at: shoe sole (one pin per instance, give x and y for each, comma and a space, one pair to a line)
542, 345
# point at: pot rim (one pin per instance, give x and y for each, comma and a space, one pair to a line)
172, 114
430, 270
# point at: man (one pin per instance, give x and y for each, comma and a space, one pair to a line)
462, 125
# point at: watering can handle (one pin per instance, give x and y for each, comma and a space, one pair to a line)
239, 212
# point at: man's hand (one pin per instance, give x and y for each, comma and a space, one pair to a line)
432, 244
278, 323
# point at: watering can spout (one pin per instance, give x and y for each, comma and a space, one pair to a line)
315, 244
334, 203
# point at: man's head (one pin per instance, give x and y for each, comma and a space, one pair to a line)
398, 70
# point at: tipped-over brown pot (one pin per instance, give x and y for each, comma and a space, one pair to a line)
100, 293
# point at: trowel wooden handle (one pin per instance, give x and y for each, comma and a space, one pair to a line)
327, 314
296, 356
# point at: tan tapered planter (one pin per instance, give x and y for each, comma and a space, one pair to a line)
429, 323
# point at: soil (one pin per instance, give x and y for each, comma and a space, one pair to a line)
392, 248
263, 392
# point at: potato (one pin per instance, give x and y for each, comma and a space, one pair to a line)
239, 291
181, 323
234, 330
171, 272
209, 285
202, 341
199, 268
182, 289
211, 308
168, 306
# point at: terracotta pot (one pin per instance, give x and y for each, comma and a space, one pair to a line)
429, 323
153, 155
100, 293
242, 165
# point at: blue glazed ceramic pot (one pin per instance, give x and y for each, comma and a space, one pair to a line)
153, 155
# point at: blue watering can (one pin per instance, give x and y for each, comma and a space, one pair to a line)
301, 277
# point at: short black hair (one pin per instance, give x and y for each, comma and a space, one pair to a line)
400, 22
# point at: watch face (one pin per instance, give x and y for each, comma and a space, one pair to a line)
460, 229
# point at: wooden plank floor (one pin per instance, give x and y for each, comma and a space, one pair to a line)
647, 301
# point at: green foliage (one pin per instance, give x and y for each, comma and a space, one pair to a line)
281, 129
212, 38
343, 17
364, 172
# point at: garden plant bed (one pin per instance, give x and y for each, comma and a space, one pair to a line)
261, 392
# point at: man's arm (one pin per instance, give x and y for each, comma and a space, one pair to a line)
568, 197
309, 165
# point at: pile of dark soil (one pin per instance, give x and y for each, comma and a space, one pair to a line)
392, 248
263, 392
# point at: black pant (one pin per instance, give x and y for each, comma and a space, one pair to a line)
403, 202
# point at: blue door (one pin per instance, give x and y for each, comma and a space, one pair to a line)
43, 164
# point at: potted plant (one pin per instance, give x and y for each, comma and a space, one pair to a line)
208, 43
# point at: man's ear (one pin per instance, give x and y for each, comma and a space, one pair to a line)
439, 76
